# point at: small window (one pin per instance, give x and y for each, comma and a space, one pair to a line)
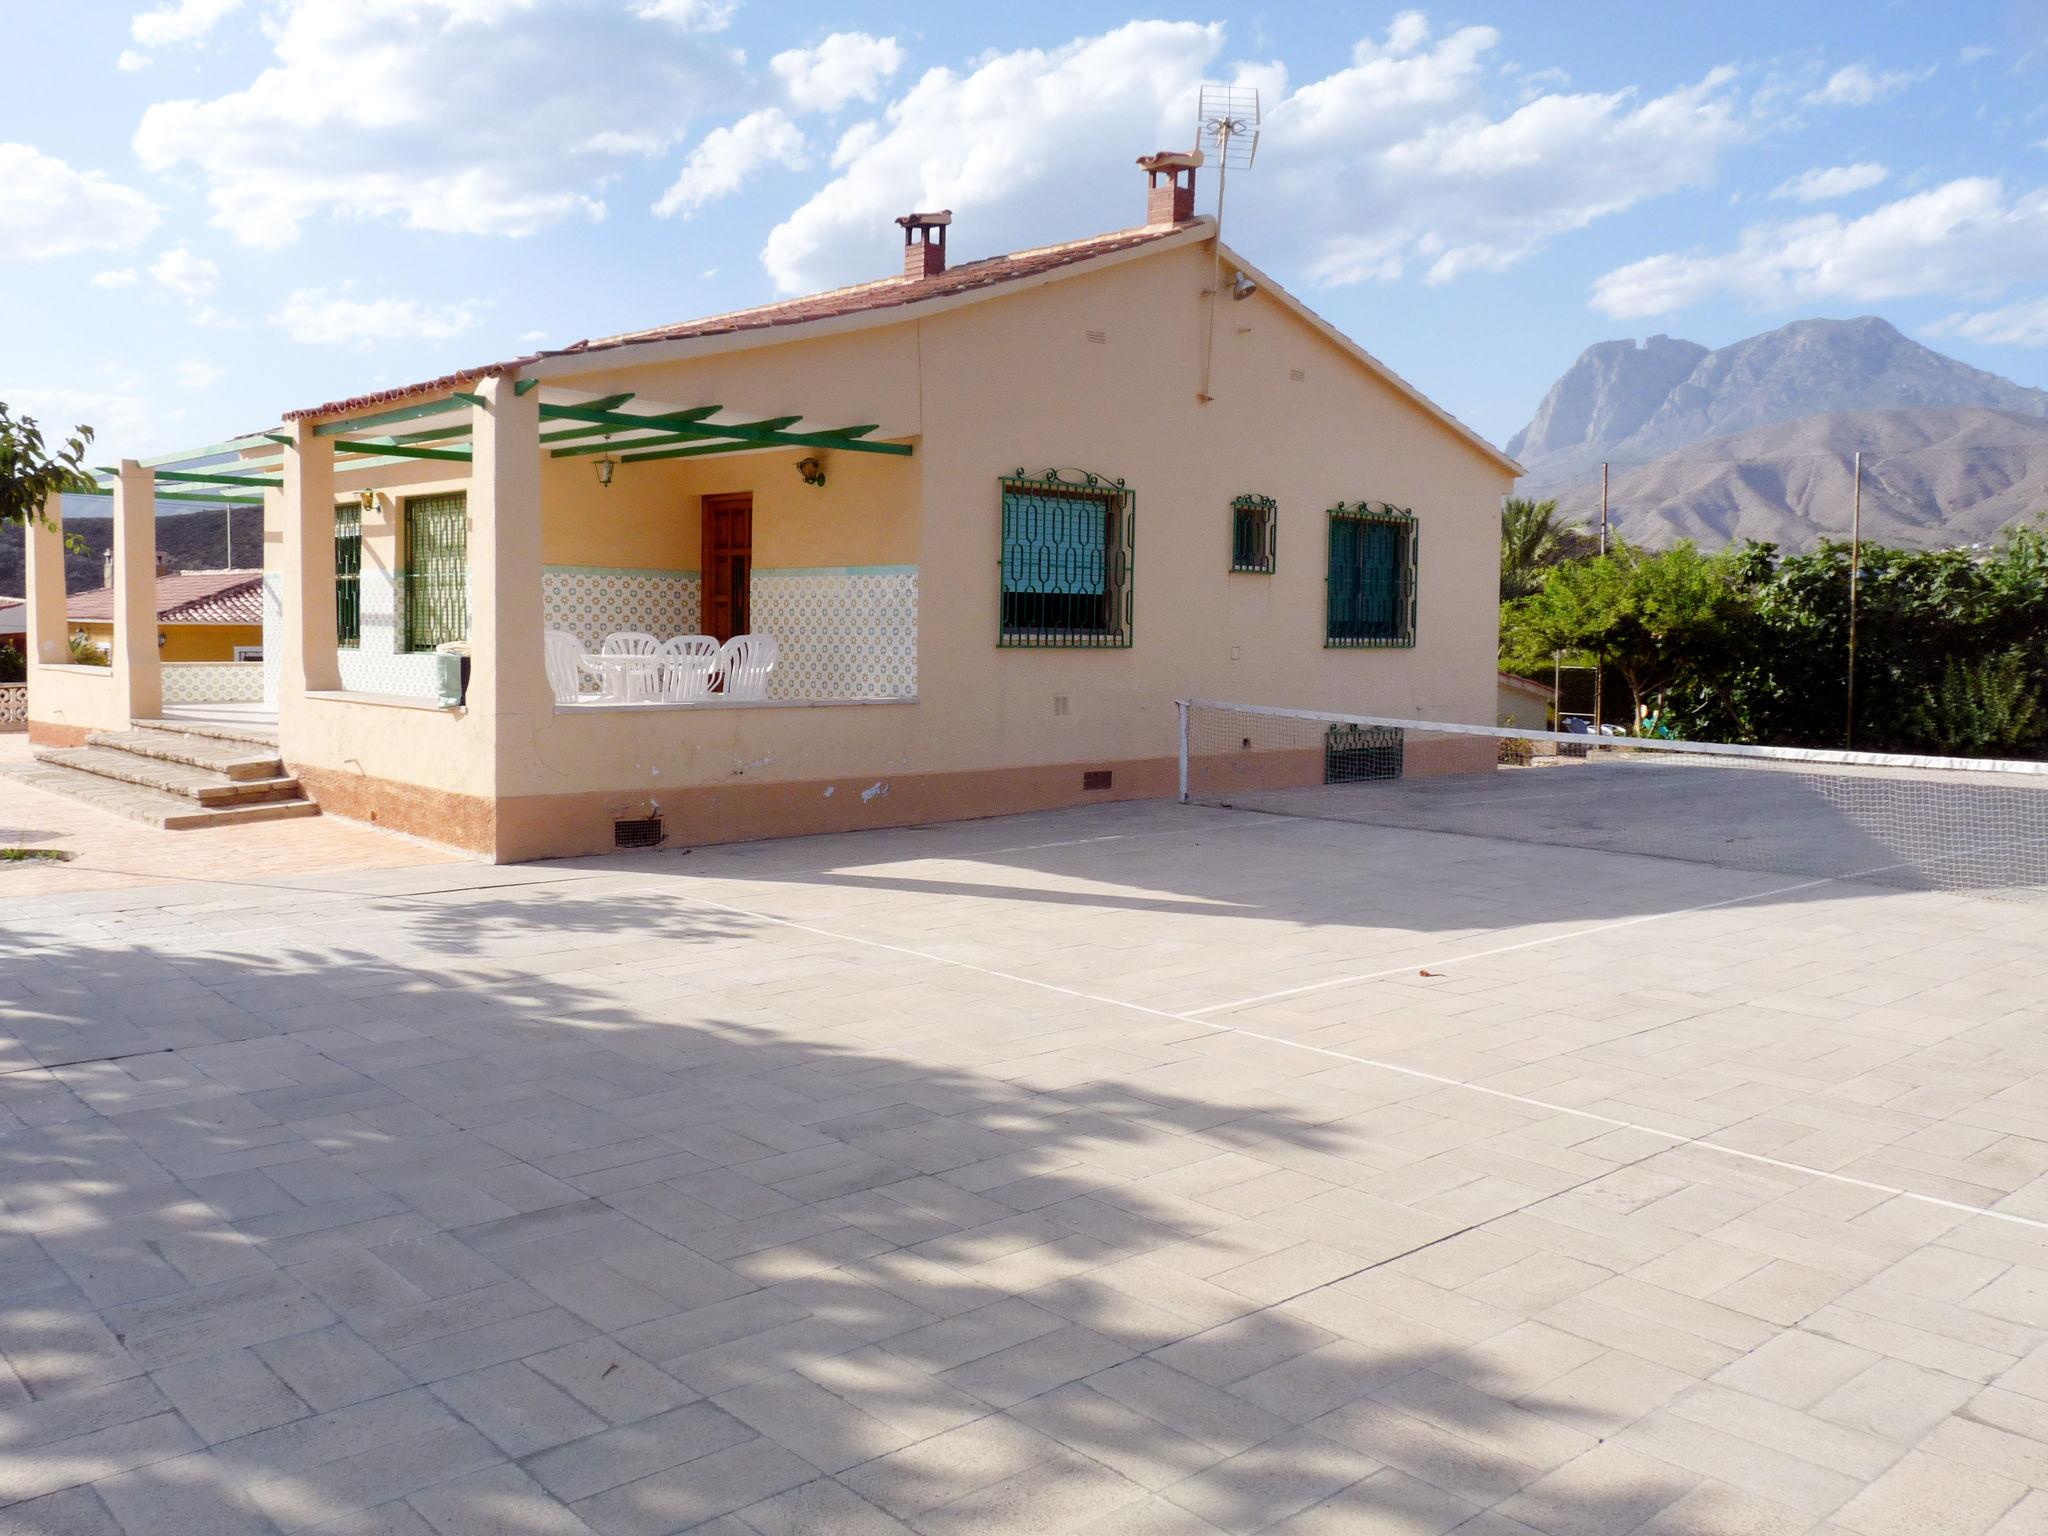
248, 653
1253, 533
1066, 566
436, 570
1372, 576
348, 575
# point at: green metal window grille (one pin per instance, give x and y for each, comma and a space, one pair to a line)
1372, 575
436, 570
1068, 556
1254, 533
348, 574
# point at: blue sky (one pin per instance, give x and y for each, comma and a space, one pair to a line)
218, 210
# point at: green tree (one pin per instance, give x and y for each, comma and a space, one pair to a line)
1532, 540
30, 473
1658, 619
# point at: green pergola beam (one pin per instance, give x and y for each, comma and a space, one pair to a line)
843, 437
393, 417
791, 440
235, 445
209, 501
432, 434
772, 423
570, 434
403, 451
197, 478
525, 386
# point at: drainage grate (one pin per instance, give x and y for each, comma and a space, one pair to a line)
1095, 778
642, 832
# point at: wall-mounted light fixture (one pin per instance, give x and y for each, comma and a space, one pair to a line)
1242, 286
605, 466
367, 500
812, 471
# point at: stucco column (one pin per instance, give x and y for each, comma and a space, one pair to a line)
138, 665
307, 659
48, 639
508, 669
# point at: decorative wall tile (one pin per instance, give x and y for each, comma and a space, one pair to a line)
373, 666
213, 682
13, 706
591, 602
843, 633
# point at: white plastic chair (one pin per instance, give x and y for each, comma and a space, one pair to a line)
687, 662
564, 660
638, 682
744, 662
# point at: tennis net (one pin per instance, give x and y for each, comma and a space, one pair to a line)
1975, 826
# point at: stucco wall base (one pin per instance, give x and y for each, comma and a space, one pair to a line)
53, 733
545, 826
467, 822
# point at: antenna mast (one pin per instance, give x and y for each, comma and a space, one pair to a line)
1226, 131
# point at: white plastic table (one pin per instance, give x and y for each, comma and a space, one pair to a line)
615, 675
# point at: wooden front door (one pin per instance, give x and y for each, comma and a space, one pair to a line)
728, 562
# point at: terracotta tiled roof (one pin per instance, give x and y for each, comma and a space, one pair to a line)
888, 293
186, 597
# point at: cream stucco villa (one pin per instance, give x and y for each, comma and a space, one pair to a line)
995, 516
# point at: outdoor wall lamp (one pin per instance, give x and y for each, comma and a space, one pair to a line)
605, 466
368, 501
812, 471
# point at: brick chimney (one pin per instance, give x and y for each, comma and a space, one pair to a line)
924, 243
1173, 200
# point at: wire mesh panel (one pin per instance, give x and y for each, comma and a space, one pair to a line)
1972, 826
1372, 575
436, 570
348, 573
1067, 561
1254, 534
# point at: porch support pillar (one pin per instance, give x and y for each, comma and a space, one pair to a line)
138, 664
508, 673
49, 636
307, 653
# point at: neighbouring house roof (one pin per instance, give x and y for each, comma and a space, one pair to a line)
184, 597
970, 280
13, 615
1524, 685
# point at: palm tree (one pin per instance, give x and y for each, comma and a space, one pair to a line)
1532, 538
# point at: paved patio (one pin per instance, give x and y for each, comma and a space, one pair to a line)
1141, 1169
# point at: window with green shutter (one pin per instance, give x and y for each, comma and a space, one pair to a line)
1066, 561
348, 574
436, 570
1254, 535
1371, 599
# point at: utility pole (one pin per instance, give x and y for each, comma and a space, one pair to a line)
1600, 657
1855, 569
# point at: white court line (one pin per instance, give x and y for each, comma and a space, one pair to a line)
1677, 1138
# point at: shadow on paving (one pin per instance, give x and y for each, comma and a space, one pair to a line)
497, 1241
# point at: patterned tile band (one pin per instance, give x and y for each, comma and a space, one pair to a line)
212, 682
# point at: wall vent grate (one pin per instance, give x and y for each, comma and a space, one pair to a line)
639, 832
1095, 778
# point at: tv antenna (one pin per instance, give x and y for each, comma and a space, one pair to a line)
1227, 136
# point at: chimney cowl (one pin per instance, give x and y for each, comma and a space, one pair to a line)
924, 242
1173, 202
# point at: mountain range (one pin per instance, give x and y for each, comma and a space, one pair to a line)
1758, 439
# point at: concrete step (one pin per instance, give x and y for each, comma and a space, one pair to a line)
156, 807
233, 757
252, 735
200, 785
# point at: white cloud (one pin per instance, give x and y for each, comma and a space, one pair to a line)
194, 374
130, 61
689, 15
1965, 236
458, 116
847, 66
322, 317
1973, 53
1856, 85
1408, 155
206, 317
122, 422
531, 338
189, 276
52, 210
728, 157
180, 21
1823, 184
2016, 325
119, 277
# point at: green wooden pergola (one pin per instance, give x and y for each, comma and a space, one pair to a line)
596, 426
